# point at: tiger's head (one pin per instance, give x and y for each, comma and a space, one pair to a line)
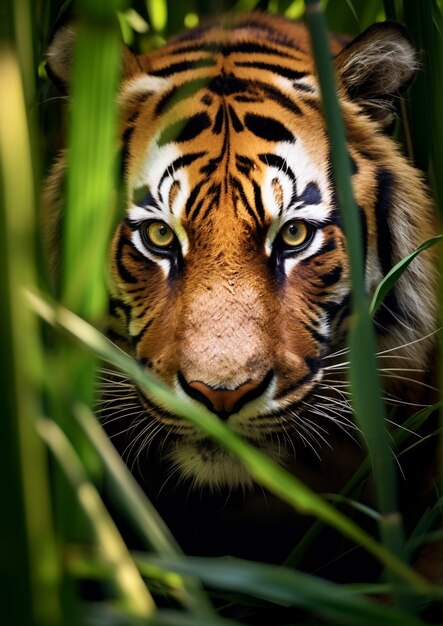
229, 275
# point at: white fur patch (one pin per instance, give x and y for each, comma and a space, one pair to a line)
143, 83
305, 172
157, 161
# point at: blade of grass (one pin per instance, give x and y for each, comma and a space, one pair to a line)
97, 615
365, 385
399, 436
394, 274
88, 215
131, 589
28, 562
87, 220
138, 509
262, 468
282, 586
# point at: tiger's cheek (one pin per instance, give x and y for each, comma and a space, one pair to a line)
147, 303
313, 289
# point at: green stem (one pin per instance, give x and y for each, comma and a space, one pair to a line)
365, 385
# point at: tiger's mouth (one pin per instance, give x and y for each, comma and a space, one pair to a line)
194, 458
285, 433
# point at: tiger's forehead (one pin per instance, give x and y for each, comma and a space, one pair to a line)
272, 165
228, 122
277, 182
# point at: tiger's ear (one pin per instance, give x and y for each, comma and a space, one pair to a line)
60, 56
376, 67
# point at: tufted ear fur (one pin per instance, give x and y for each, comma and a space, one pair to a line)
60, 57
376, 67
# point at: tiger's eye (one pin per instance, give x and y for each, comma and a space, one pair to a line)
296, 233
159, 235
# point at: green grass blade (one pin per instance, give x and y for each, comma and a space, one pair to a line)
131, 589
394, 274
133, 502
107, 616
29, 567
90, 197
282, 586
365, 385
87, 219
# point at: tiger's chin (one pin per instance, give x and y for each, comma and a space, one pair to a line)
205, 464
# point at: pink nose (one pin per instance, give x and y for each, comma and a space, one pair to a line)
224, 401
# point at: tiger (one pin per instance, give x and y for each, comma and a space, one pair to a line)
229, 277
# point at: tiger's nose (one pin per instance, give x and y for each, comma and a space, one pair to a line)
221, 401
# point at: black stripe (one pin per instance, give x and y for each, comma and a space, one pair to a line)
332, 277
274, 160
258, 202
383, 203
256, 48
226, 49
272, 67
277, 96
192, 197
311, 194
244, 164
182, 66
228, 84
306, 89
317, 336
210, 166
185, 129
137, 338
236, 184
247, 98
197, 209
124, 152
114, 336
267, 128
387, 314
124, 274
235, 120
218, 122
327, 247
291, 388
182, 161
313, 363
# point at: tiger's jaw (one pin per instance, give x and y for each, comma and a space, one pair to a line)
205, 464
190, 456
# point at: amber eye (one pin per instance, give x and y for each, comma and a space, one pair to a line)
296, 234
158, 235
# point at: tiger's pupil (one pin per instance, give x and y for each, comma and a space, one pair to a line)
295, 233
160, 234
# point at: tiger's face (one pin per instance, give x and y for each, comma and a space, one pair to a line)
234, 245
229, 274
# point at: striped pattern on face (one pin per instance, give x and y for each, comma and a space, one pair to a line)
230, 279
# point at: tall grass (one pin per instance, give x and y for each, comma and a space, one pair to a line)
56, 531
